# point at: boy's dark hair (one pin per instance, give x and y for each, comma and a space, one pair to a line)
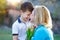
27, 6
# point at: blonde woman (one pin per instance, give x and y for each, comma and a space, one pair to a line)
43, 21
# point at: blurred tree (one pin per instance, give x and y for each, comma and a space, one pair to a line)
2, 10
2, 4
53, 6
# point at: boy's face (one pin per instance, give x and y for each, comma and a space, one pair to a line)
26, 15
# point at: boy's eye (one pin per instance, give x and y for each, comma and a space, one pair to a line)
28, 14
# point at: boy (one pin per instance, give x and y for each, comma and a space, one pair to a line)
20, 26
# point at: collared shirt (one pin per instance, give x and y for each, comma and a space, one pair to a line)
19, 28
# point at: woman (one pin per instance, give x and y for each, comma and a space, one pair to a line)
43, 21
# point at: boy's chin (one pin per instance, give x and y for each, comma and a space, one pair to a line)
26, 20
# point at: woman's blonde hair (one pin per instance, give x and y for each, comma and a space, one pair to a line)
42, 16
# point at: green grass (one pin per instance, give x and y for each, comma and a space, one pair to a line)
5, 31
6, 35
56, 37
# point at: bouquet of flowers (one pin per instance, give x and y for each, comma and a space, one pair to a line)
30, 32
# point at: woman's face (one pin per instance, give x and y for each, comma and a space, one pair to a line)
32, 17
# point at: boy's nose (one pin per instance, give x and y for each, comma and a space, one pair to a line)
28, 16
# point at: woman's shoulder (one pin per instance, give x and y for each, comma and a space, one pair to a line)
42, 31
50, 31
39, 27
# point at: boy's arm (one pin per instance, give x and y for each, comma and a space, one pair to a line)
15, 31
15, 37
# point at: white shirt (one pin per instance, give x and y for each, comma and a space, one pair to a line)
20, 29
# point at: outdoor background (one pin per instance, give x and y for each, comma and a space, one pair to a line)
9, 11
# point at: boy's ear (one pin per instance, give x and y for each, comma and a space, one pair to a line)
21, 11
